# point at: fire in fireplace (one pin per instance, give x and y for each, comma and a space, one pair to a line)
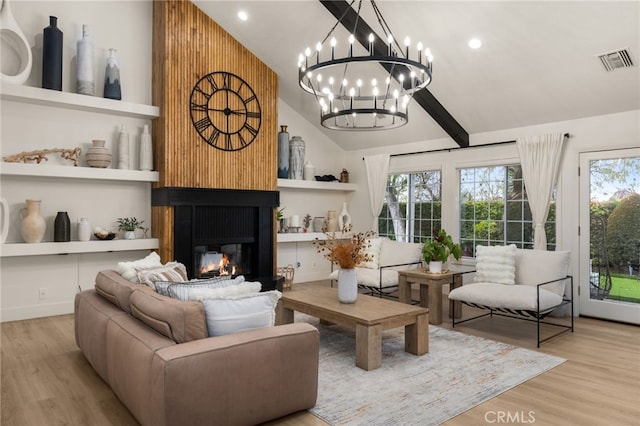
227, 259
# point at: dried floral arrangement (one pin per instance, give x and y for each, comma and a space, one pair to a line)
345, 250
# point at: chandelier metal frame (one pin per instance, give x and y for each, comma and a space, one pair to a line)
360, 103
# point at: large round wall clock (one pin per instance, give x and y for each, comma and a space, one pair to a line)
225, 111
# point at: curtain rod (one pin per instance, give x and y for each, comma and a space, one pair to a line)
566, 135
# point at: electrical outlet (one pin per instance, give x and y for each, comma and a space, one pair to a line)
42, 293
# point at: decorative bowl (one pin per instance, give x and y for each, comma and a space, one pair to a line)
105, 236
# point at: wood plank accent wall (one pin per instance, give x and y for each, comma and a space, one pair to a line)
187, 45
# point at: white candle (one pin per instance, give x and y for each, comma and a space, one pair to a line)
294, 222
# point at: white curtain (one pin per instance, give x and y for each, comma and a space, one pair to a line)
377, 169
540, 161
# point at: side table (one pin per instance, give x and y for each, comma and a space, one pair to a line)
430, 290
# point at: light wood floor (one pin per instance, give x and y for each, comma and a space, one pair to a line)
46, 380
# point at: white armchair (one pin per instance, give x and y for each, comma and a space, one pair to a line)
380, 275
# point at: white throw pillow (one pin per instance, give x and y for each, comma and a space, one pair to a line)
242, 289
495, 264
128, 269
535, 267
180, 289
374, 254
235, 314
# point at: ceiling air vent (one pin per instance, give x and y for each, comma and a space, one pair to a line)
617, 59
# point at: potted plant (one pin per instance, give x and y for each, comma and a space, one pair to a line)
129, 226
438, 249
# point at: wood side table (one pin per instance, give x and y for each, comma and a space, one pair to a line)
430, 290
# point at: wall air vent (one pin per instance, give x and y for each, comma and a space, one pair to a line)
617, 59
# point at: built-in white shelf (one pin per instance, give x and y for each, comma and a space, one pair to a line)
315, 185
304, 236
57, 99
44, 170
94, 246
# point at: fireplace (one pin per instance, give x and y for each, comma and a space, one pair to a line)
214, 226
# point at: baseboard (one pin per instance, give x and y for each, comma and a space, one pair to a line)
35, 311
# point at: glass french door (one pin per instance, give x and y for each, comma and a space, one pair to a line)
610, 235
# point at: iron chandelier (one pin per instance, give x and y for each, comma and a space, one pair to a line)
368, 88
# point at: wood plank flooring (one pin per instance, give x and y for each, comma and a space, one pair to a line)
47, 381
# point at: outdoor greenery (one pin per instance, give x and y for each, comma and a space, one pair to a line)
623, 232
625, 288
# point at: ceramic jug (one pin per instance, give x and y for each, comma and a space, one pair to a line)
33, 225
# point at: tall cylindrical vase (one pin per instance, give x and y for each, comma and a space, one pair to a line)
52, 56
84, 230
85, 80
332, 221
112, 88
62, 228
123, 148
347, 285
283, 153
296, 157
146, 150
32, 226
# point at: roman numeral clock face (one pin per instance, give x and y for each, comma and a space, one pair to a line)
225, 111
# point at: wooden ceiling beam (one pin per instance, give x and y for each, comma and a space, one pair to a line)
424, 98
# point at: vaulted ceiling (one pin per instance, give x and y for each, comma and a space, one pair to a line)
538, 63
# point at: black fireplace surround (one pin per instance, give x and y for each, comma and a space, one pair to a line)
212, 219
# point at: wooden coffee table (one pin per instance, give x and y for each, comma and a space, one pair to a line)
368, 315
430, 289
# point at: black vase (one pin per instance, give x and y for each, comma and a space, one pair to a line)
62, 228
52, 56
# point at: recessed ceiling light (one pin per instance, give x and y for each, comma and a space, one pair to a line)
475, 43
243, 15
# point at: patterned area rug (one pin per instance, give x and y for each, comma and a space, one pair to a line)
459, 372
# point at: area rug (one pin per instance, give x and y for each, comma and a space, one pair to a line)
459, 372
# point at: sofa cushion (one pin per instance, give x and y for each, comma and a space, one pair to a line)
172, 271
515, 297
496, 264
128, 269
534, 267
117, 290
373, 251
240, 313
399, 253
175, 319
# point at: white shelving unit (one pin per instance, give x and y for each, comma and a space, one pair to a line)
304, 236
46, 248
75, 102
43, 170
57, 99
315, 185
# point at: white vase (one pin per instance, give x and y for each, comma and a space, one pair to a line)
344, 219
146, 150
129, 235
332, 221
33, 225
347, 285
123, 148
435, 266
84, 230
85, 81
15, 39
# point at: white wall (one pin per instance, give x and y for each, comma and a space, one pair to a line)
608, 132
328, 158
125, 26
